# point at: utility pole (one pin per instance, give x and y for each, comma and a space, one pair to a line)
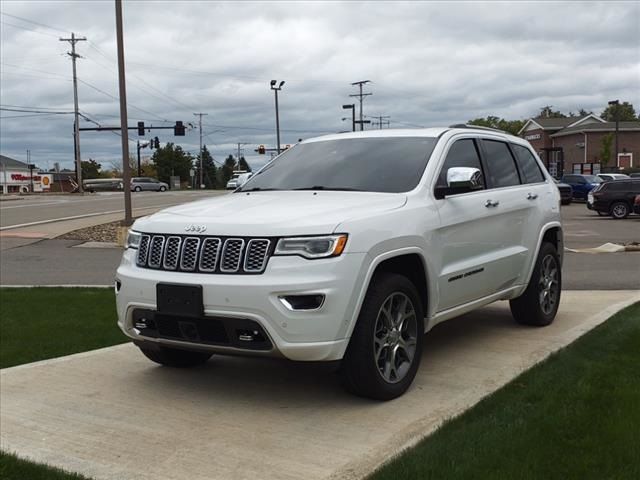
276, 90
76, 133
616, 104
239, 145
351, 107
200, 128
382, 120
361, 98
126, 173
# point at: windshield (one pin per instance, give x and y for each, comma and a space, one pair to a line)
389, 164
592, 179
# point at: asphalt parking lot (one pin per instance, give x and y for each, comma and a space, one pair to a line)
42, 260
113, 414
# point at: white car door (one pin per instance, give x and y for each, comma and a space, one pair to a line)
475, 236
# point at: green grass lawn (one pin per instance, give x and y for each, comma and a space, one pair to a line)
40, 323
576, 415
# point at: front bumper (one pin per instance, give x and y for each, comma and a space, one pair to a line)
315, 335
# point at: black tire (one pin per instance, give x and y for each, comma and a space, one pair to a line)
566, 202
532, 307
619, 210
163, 188
137, 189
360, 370
173, 357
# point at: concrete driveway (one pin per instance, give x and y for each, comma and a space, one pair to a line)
111, 414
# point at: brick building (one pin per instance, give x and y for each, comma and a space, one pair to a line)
573, 144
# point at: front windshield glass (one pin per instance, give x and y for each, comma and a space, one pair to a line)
592, 179
389, 164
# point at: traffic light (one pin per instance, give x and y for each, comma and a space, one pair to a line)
178, 129
141, 129
156, 142
261, 150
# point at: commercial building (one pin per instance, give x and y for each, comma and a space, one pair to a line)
19, 177
574, 144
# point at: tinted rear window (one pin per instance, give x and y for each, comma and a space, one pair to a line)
389, 164
528, 165
501, 167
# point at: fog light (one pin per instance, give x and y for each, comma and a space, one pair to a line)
302, 302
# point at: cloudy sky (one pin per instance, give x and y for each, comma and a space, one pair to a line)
429, 64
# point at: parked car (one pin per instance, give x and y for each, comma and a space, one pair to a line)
103, 185
238, 179
613, 176
636, 205
147, 183
581, 184
348, 248
634, 175
615, 198
566, 192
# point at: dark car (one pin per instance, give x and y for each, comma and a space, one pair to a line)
615, 198
636, 205
581, 184
566, 192
103, 185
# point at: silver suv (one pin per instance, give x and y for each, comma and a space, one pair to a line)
147, 183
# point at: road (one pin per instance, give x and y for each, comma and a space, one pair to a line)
36, 210
27, 261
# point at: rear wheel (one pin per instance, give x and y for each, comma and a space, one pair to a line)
163, 188
385, 349
539, 303
619, 210
174, 357
137, 189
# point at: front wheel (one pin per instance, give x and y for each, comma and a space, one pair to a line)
137, 189
385, 349
539, 303
173, 357
619, 210
163, 188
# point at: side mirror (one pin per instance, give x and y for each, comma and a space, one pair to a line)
460, 180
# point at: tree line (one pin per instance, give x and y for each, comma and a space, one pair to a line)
171, 160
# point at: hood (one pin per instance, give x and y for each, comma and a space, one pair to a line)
270, 213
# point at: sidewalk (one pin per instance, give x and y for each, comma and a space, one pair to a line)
112, 414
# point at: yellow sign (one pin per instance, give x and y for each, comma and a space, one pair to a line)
45, 180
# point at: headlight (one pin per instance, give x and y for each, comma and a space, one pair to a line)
312, 247
133, 239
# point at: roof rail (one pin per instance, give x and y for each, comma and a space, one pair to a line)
479, 127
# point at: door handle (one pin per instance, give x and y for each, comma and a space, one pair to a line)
491, 203
532, 196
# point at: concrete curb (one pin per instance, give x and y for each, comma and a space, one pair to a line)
424, 428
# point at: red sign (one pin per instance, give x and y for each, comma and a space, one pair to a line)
24, 178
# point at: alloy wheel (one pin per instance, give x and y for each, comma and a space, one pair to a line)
549, 285
395, 337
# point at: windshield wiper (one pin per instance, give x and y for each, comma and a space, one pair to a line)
322, 187
258, 189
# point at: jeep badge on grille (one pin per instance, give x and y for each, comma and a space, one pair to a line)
195, 228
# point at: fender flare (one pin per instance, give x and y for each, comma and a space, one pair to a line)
543, 232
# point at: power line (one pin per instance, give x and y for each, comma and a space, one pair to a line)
28, 29
33, 22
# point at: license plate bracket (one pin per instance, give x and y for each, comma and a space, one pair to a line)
181, 300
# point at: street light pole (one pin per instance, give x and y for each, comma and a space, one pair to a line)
351, 107
616, 103
276, 90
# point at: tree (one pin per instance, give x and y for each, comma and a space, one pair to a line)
605, 149
511, 126
548, 112
171, 160
90, 169
226, 171
210, 172
583, 113
243, 165
625, 110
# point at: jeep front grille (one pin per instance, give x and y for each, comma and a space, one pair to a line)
204, 254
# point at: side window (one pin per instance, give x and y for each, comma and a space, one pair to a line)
528, 165
463, 153
501, 168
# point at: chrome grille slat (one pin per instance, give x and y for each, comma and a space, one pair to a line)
155, 251
231, 255
209, 254
181, 253
256, 254
143, 250
189, 255
172, 253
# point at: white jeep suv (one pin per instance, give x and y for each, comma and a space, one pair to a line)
348, 247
